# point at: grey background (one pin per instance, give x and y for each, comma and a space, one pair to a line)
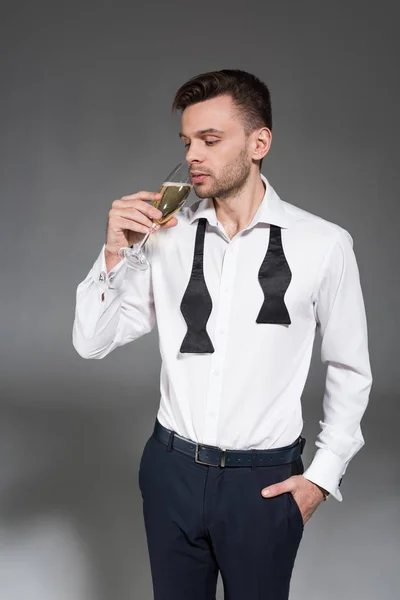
85, 118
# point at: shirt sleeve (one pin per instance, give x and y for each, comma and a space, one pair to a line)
112, 308
341, 319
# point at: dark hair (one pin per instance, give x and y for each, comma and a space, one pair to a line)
248, 92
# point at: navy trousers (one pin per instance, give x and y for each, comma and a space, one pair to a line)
201, 520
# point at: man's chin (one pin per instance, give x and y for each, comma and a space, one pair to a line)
201, 191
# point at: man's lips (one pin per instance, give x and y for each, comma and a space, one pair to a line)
196, 177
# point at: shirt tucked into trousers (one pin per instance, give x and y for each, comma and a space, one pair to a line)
244, 392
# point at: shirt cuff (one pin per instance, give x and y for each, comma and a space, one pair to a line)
326, 470
114, 278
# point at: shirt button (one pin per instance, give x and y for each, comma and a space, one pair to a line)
222, 331
212, 413
102, 276
216, 372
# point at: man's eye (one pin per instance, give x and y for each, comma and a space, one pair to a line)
208, 143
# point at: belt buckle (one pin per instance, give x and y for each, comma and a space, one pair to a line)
200, 462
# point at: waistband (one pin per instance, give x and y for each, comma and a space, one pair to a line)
213, 456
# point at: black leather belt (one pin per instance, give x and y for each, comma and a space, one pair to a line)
217, 457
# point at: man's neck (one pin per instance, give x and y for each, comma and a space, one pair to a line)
236, 212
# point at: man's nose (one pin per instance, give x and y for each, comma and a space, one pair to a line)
194, 155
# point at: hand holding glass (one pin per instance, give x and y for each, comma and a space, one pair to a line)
175, 190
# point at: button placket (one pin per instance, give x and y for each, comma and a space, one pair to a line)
214, 392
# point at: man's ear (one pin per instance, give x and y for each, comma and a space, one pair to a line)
262, 143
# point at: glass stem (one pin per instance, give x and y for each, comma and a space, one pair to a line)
144, 240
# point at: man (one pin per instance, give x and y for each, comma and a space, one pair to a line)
239, 282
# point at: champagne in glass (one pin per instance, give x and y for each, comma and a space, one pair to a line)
175, 189
173, 198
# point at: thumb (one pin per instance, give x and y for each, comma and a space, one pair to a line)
278, 488
171, 223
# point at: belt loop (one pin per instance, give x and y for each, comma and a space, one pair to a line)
170, 440
303, 443
253, 460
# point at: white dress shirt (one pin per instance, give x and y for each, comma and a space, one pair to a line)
247, 394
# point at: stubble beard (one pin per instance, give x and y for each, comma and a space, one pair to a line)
230, 182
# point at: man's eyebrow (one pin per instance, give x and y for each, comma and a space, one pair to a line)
204, 131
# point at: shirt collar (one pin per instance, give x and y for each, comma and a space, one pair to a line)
271, 210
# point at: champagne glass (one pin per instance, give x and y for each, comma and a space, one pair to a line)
175, 190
